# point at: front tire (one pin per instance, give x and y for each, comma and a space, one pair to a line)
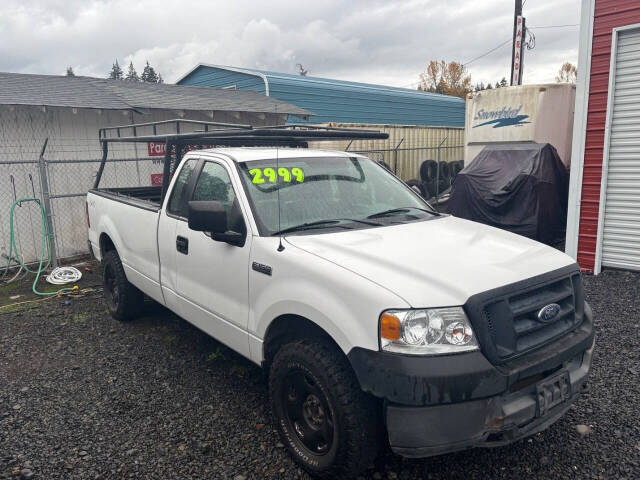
329, 425
124, 301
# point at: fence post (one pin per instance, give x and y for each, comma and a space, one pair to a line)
395, 157
438, 173
46, 200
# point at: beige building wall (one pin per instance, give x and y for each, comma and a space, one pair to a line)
417, 144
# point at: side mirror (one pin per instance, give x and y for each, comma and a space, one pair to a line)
207, 217
211, 217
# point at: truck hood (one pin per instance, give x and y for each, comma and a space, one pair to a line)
438, 262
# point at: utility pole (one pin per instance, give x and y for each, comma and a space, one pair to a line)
518, 45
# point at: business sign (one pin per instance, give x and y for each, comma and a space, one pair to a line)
516, 79
507, 116
156, 179
502, 115
156, 149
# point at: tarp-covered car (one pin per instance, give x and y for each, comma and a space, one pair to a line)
522, 188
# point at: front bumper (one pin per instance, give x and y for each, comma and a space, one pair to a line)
440, 404
489, 422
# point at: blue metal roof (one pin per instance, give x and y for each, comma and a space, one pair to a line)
337, 100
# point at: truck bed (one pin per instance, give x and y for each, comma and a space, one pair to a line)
143, 197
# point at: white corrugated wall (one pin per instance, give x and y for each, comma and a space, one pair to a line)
621, 220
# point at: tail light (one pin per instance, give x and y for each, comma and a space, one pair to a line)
86, 209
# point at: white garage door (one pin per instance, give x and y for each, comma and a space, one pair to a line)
620, 229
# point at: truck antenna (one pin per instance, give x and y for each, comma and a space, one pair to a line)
280, 245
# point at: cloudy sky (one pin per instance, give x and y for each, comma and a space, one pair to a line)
387, 42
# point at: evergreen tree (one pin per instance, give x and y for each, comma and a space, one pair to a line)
503, 82
70, 72
489, 87
497, 84
149, 75
116, 71
132, 75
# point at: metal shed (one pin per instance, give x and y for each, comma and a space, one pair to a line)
337, 101
69, 111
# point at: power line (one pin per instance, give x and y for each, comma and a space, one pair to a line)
502, 44
557, 26
466, 63
487, 53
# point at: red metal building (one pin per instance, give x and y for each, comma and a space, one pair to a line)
603, 228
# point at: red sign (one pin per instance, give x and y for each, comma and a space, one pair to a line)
156, 179
156, 149
517, 46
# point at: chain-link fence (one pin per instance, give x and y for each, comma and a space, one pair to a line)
58, 166
58, 173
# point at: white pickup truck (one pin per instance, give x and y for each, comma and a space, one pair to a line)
378, 319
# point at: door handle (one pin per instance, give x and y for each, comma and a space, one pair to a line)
182, 244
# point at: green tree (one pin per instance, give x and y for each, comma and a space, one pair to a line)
70, 72
149, 75
132, 75
503, 82
116, 71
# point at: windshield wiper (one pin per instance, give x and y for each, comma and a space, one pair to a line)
394, 211
324, 223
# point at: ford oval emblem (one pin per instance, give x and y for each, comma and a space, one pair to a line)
549, 312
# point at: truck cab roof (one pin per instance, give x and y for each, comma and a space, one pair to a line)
248, 154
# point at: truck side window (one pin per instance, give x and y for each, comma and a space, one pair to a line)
177, 202
214, 184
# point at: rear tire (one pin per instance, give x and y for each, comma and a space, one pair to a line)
328, 424
123, 300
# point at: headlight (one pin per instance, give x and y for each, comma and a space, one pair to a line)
430, 331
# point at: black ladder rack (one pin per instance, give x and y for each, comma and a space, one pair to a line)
199, 133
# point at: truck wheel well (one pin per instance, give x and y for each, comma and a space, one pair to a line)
287, 328
106, 244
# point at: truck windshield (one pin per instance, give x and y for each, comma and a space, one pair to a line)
327, 193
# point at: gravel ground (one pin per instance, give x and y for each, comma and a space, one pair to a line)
85, 397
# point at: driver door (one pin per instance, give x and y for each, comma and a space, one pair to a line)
212, 276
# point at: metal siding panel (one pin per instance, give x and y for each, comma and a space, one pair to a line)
220, 78
621, 221
346, 102
339, 101
409, 161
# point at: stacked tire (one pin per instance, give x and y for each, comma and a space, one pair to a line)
431, 181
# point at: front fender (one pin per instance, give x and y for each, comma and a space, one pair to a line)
345, 305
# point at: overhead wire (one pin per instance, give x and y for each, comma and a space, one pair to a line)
487, 53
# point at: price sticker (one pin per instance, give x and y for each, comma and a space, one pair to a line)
271, 175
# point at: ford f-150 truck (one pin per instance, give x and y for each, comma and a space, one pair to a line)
377, 318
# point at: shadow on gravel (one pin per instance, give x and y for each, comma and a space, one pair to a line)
84, 396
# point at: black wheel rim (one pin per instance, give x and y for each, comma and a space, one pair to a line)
307, 412
110, 288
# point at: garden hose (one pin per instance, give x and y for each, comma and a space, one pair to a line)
45, 244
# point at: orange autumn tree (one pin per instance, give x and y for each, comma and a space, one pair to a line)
446, 78
568, 73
